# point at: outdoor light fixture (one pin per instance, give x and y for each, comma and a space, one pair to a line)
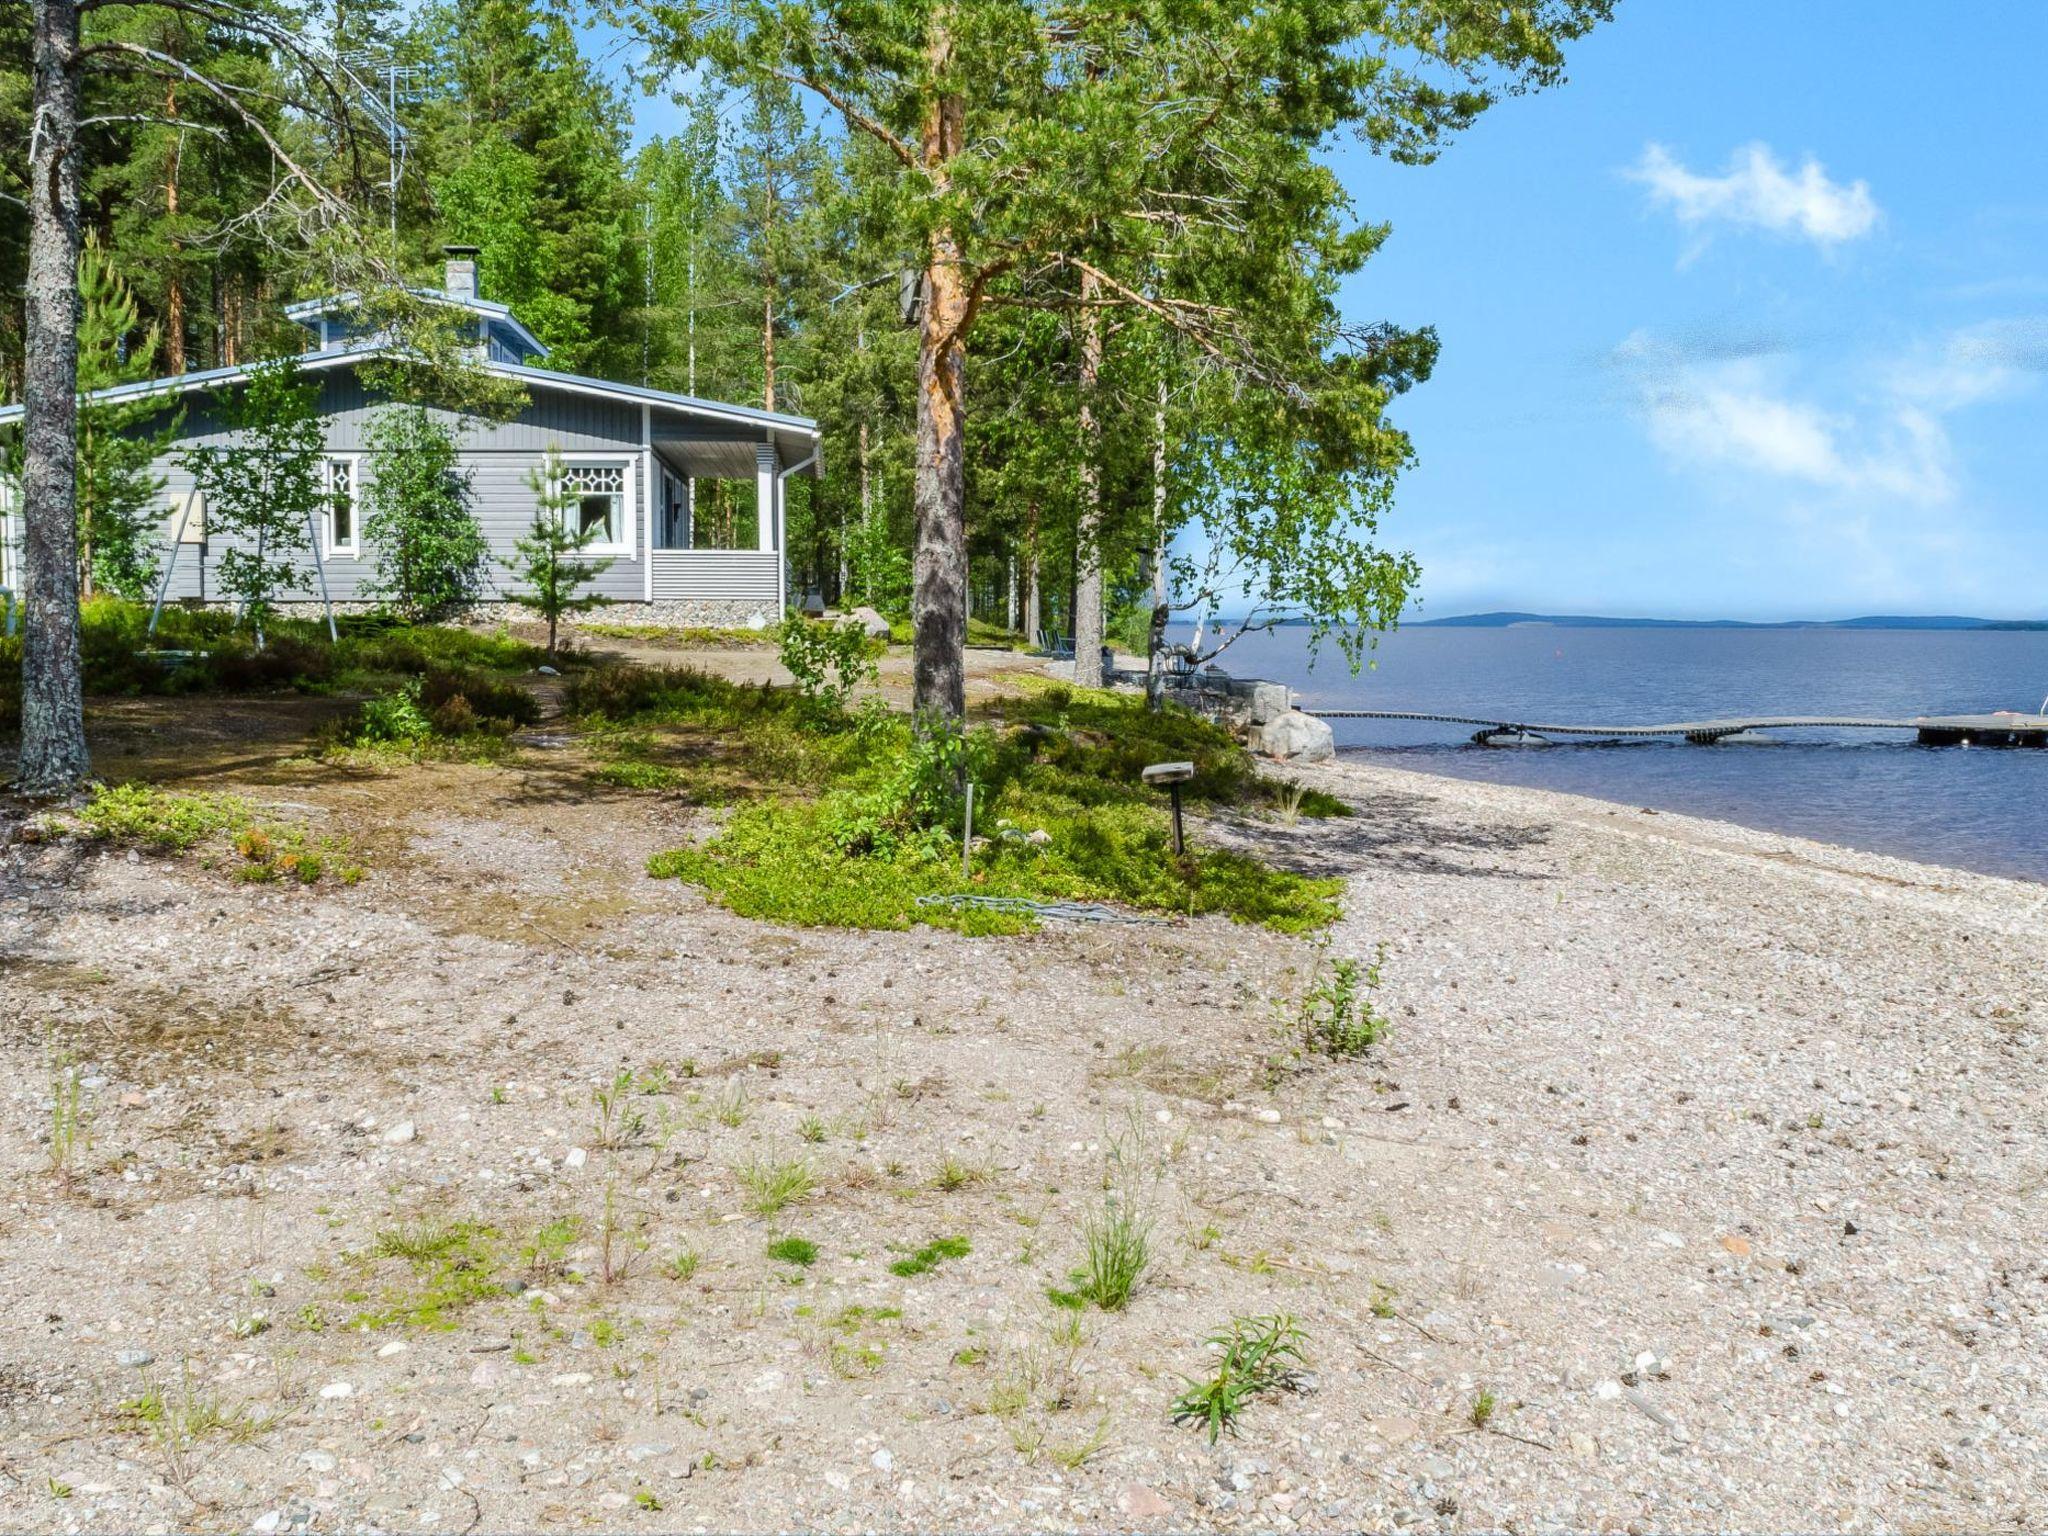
1172, 775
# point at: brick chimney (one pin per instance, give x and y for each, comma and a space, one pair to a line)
460, 282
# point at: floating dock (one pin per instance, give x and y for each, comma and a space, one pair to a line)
1994, 730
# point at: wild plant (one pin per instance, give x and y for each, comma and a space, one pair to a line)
70, 1116
1260, 1356
773, 1184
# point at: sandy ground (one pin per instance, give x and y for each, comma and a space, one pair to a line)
1713, 1157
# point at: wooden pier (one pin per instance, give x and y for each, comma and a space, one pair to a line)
1995, 730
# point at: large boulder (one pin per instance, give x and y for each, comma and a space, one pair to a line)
1297, 736
872, 624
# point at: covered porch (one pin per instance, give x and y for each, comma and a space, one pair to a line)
716, 529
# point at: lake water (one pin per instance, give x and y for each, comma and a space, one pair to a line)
1972, 808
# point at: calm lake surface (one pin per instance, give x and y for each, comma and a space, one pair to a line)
1972, 808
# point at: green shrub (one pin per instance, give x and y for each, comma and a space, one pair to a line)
496, 700
158, 818
1337, 1016
395, 719
828, 662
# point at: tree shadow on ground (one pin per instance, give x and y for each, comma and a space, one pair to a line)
1399, 831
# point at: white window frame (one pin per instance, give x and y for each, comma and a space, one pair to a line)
7, 533
629, 463
353, 549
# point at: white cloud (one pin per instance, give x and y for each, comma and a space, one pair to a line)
1760, 192
1880, 433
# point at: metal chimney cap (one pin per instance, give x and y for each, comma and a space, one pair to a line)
1169, 773
462, 250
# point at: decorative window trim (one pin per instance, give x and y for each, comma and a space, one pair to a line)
352, 549
629, 466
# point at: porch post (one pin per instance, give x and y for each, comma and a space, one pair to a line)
767, 497
649, 486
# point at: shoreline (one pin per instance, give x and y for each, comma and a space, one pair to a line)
1366, 760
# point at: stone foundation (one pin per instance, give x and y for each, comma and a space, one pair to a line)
664, 613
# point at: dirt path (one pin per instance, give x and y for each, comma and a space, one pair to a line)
1705, 1158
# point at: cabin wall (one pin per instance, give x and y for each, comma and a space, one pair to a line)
499, 456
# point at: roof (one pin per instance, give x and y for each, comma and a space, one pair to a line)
307, 309
803, 428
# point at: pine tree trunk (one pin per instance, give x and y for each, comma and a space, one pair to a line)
938, 595
54, 760
174, 296
1088, 535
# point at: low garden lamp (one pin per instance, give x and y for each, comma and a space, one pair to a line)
1172, 775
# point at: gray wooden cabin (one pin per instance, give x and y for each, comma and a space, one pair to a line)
633, 455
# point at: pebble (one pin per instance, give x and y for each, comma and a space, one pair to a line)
401, 1133
576, 1158
882, 1460
338, 1389
133, 1357
1139, 1502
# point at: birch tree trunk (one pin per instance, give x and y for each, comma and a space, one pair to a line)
938, 595
1155, 639
53, 753
1088, 534
1031, 573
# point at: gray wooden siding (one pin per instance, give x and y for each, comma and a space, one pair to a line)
728, 575
498, 455
499, 496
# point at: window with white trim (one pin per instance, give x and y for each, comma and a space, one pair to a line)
338, 501
599, 502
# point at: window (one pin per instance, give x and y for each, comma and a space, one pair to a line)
599, 504
338, 487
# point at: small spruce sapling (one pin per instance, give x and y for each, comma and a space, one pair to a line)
549, 563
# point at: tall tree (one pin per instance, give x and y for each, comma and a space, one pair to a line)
1028, 142
777, 160
528, 142
54, 758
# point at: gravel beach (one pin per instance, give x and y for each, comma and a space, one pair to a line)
1697, 1186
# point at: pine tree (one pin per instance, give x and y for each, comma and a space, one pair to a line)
548, 564
118, 514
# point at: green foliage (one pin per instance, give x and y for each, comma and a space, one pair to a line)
144, 815
869, 820
117, 443
394, 719
264, 487
1337, 1016
448, 1270
548, 565
1260, 1356
828, 662
794, 1250
1117, 1242
773, 1184
931, 1256
429, 552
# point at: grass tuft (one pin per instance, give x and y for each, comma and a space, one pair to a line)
1260, 1356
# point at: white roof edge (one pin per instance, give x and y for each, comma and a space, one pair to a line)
490, 307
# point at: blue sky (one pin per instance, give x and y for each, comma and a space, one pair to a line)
1748, 320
